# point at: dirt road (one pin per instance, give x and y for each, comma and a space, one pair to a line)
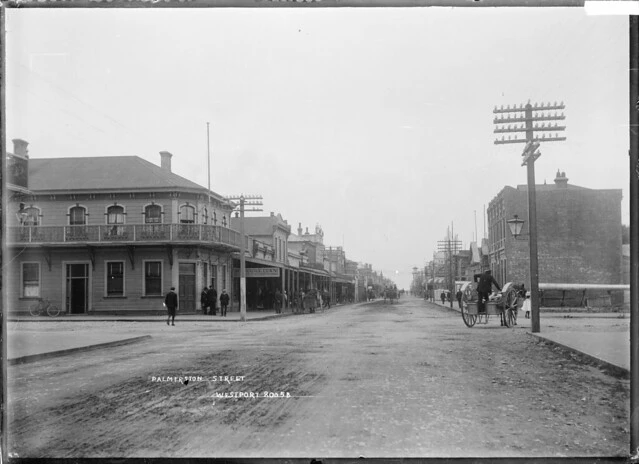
374, 380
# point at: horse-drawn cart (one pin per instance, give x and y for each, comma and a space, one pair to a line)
391, 294
505, 305
310, 300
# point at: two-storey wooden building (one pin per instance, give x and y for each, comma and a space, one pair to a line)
113, 234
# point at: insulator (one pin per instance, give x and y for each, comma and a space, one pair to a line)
502, 107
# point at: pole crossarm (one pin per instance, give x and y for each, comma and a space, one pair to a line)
524, 119
534, 107
504, 141
537, 127
244, 197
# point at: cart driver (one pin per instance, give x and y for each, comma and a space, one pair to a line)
484, 287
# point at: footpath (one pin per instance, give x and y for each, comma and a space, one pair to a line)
601, 337
29, 342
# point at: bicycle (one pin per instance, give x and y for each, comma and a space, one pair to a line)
43, 305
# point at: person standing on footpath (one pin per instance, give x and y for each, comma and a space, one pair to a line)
224, 303
213, 300
484, 287
204, 300
459, 296
277, 301
327, 299
171, 303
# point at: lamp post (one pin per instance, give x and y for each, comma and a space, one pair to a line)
535, 118
515, 224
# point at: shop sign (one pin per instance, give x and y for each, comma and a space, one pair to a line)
258, 272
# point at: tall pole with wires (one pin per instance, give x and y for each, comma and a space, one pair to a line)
530, 119
253, 201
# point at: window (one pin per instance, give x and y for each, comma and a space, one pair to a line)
153, 278
77, 216
153, 214
214, 276
115, 214
205, 216
115, 218
115, 278
187, 214
224, 221
31, 280
224, 277
214, 218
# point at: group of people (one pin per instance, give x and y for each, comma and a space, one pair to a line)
310, 299
208, 301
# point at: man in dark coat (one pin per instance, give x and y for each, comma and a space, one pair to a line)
224, 303
204, 300
213, 300
171, 303
277, 301
484, 288
327, 299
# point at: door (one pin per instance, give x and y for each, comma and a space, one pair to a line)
186, 292
77, 288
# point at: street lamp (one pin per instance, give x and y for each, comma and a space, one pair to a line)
515, 225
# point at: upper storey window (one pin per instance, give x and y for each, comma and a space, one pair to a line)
187, 214
77, 216
153, 214
115, 214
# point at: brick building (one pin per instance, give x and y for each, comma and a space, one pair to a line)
579, 234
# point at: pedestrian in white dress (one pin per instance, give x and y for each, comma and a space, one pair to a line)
526, 306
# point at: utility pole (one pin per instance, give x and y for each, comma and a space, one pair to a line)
449, 246
244, 200
535, 118
634, 233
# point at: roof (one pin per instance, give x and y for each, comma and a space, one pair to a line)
103, 173
263, 225
551, 187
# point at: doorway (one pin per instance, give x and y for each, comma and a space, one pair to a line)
186, 291
77, 288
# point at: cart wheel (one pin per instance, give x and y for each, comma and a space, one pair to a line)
511, 304
469, 319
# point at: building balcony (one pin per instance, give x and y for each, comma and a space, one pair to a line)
124, 233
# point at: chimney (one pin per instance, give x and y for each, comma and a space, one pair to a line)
165, 162
272, 214
561, 181
299, 229
20, 148
307, 231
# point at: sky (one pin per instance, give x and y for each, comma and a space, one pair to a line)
375, 123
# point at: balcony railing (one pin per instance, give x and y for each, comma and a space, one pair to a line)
201, 233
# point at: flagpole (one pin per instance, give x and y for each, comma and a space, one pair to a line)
208, 158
